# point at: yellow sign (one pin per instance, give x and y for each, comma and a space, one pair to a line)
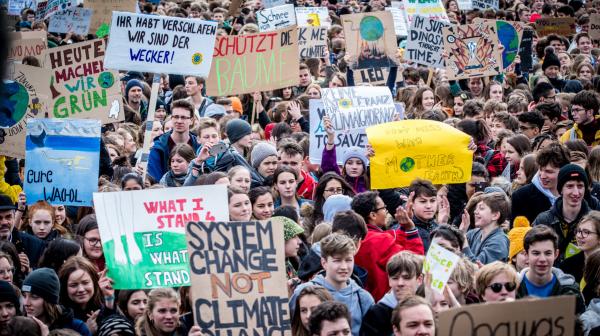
410, 149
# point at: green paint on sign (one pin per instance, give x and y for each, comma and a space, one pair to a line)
407, 164
103, 30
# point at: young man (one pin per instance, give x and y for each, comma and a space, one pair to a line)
585, 106
134, 95
540, 278
291, 154
569, 208
380, 245
193, 87
538, 196
424, 207
531, 124
304, 81
182, 112
337, 259
475, 86
330, 318
551, 111
413, 316
404, 277
503, 121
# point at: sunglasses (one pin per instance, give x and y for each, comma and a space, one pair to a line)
497, 286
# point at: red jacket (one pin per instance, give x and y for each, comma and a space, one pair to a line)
375, 251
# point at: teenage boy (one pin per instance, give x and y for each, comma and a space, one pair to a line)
424, 208
404, 277
337, 259
329, 318
413, 316
585, 106
193, 87
540, 278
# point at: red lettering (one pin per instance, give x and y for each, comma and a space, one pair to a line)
181, 203
198, 205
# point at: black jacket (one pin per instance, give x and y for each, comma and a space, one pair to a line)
376, 321
528, 201
31, 245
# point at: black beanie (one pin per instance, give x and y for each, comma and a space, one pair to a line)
550, 59
571, 172
237, 129
44, 283
8, 294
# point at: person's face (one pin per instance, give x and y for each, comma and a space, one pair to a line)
160, 114
165, 315
565, 60
263, 207
439, 303
428, 100
218, 17
304, 77
194, 14
525, 16
286, 92
453, 6
157, 130
286, 185
424, 207
585, 73
245, 141
446, 244
7, 312
458, 106
584, 45
307, 304
496, 93
500, 281
333, 187
354, 167
135, 95
496, 127
587, 236
132, 184
338, 268
168, 126
313, 93
549, 176
80, 287
267, 166
41, 223
581, 116
537, 5
521, 260
475, 86
34, 305
240, 208
335, 82
129, 144
6, 270
181, 120
294, 161
209, 135
378, 215
292, 246
192, 87
541, 256
558, 46
339, 327
136, 306
510, 153
416, 321
60, 214
552, 71
529, 130
521, 177
484, 215
470, 186
573, 192
179, 165
404, 284
7, 219
242, 180
92, 244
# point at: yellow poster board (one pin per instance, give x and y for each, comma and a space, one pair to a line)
410, 149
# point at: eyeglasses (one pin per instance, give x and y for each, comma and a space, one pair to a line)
577, 110
94, 241
584, 233
7, 271
496, 287
335, 190
178, 117
382, 208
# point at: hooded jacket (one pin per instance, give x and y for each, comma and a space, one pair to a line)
377, 320
565, 285
529, 201
492, 248
158, 161
591, 318
311, 265
355, 298
67, 320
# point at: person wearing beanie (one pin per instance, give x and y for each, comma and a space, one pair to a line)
160, 114
236, 106
291, 231
238, 132
569, 208
516, 250
215, 111
334, 204
41, 290
551, 68
134, 96
9, 303
116, 325
264, 158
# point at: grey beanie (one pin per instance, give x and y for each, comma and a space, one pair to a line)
44, 283
237, 129
260, 152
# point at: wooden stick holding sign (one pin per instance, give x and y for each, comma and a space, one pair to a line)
143, 162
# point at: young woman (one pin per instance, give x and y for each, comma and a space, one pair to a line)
7, 268
285, 183
585, 71
179, 159
496, 282
480, 132
239, 177
161, 317
9, 304
587, 235
264, 159
60, 217
313, 91
423, 100
132, 181
308, 299
132, 303
42, 223
527, 169
91, 244
493, 91
57, 252
17, 275
262, 203
517, 256
514, 149
240, 208
329, 184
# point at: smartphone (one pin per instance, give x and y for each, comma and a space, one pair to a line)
217, 149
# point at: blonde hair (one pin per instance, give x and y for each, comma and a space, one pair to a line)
489, 271
320, 231
337, 244
145, 325
463, 275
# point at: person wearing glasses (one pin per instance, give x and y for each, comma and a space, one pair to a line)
496, 282
584, 110
531, 124
588, 241
91, 244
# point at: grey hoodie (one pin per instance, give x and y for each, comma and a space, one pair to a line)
591, 318
493, 248
355, 298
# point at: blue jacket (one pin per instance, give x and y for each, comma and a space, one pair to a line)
158, 161
493, 248
66, 320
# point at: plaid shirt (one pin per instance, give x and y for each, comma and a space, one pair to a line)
495, 161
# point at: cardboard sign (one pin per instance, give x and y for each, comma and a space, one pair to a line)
551, 316
103, 11
595, 26
433, 9
509, 35
16, 6
409, 149
440, 263
32, 43
313, 17
143, 232
426, 42
62, 161
465, 5
485, 4
239, 284
399, 17
273, 3
375, 76
368, 43
26, 95
312, 42
76, 20
81, 87
526, 50
46, 8
255, 62
151, 43
564, 26
473, 51
274, 18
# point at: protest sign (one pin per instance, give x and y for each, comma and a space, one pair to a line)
440, 263
526, 50
16, 6
473, 51
312, 42
433, 9
32, 43
61, 161
239, 284
509, 36
75, 20
399, 18
549, 316
485, 4
368, 43
465, 5
425, 42
103, 11
81, 87
143, 232
47, 8
26, 95
358, 106
273, 3
313, 17
410, 149
160, 44
564, 26
254, 62
595, 26
375, 76
274, 18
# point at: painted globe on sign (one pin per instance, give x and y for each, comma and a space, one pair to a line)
407, 164
15, 102
371, 28
509, 38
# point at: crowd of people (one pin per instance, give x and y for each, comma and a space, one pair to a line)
527, 223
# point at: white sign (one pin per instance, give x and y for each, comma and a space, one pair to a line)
425, 43
273, 3
313, 16
276, 18
45, 8
399, 21
433, 9
163, 44
76, 20
440, 263
16, 6
465, 5
485, 4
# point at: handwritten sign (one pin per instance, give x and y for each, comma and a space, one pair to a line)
143, 232
62, 161
509, 35
313, 17
426, 42
473, 51
47, 8
254, 62
273, 3
368, 43
552, 316
239, 278
564, 26
376, 76
274, 18
81, 87
595, 26
103, 11
465, 5
440, 263
526, 50
16, 6
433, 9
485, 4
75, 20
312, 42
409, 149
32, 43
399, 18
151, 43
26, 95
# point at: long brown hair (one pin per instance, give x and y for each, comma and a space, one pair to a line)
318, 291
73, 264
144, 325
